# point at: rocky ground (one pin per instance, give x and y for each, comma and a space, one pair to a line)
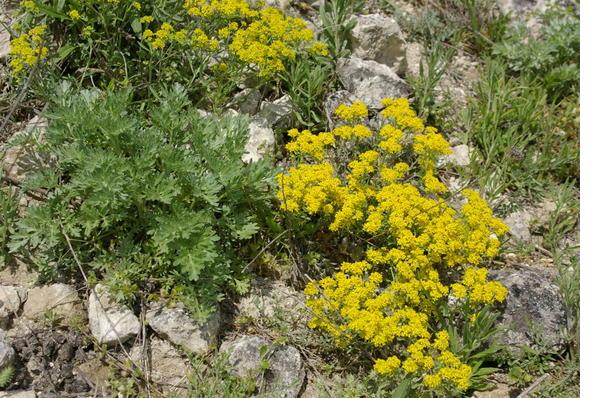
68, 339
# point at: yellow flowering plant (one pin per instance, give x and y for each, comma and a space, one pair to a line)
207, 45
380, 187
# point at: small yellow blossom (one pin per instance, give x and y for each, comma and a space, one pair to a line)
74, 14
358, 110
387, 366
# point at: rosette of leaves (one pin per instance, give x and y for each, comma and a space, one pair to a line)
156, 198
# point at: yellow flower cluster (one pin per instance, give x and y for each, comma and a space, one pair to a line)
476, 289
166, 34
74, 14
310, 188
270, 40
220, 8
387, 366
347, 132
27, 49
389, 299
309, 144
403, 115
244, 33
357, 110
262, 38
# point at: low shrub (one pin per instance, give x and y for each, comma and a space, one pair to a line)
8, 216
417, 276
552, 58
154, 198
210, 47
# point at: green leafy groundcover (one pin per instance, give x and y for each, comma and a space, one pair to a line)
153, 197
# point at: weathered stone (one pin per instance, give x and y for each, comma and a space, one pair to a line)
96, 374
370, 81
281, 4
499, 391
4, 42
414, 56
18, 160
260, 142
267, 298
110, 321
278, 113
518, 7
11, 299
7, 353
261, 137
406, 10
18, 394
534, 308
59, 298
458, 80
378, 37
246, 101
18, 274
166, 366
518, 222
177, 326
461, 156
542, 212
283, 377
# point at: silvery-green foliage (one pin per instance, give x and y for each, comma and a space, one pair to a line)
153, 194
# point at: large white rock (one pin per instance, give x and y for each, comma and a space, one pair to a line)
246, 101
278, 113
285, 374
177, 326
414, 56
270, 298
378, 37
11, 299
110, 321
18, 394
534, 308
261, 140
370, 81
7, 353
4, 42
460, 156
165, 365
18, 160
518, 223
59, 298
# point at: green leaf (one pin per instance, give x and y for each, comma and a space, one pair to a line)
136, 25
64, 52
403, 390
50, 11
246, 231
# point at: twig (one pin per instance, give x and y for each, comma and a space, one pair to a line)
533, 386
263, 249
19, 98
147, 364
537, 247
37, 194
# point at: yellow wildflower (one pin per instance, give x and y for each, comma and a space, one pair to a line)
387, 366
74, 14
358, 110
